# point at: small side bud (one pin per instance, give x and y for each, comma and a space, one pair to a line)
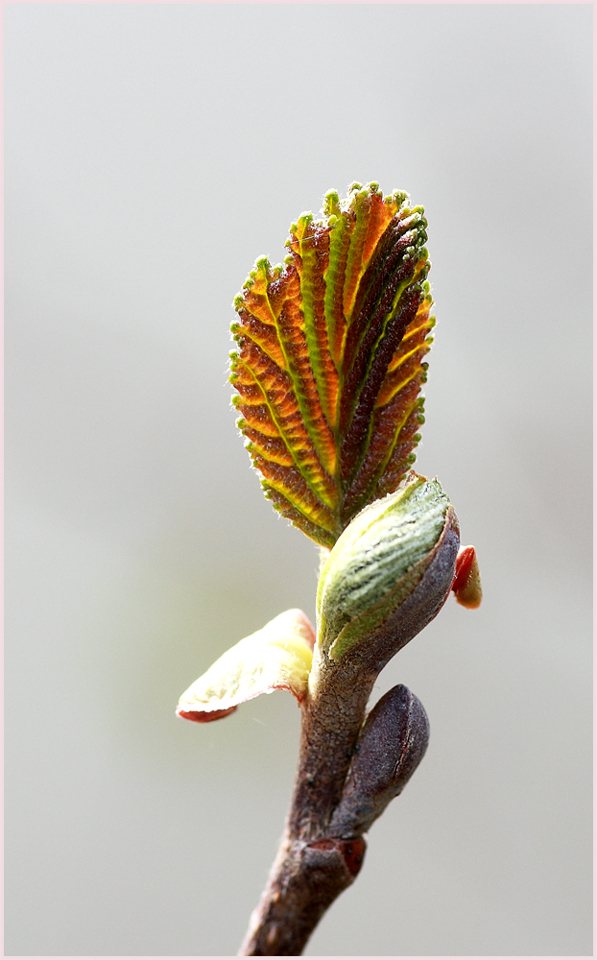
391, 745
329, 853
467, 579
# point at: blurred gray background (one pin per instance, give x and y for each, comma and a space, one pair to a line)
152, 153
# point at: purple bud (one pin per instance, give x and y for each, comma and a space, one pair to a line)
390, 747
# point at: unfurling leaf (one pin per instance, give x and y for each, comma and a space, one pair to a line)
379, 561
277, 657
330, 359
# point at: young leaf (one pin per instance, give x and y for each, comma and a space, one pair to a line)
277, 657
330, 359
379, 561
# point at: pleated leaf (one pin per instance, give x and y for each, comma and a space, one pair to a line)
330, 359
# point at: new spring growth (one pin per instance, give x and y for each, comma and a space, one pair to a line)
277, 657
378, 561
328, 371
387, 576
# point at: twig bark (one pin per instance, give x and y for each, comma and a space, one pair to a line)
348, 770
312, 868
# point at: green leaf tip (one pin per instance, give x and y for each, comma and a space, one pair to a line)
330, 359
331, 204
378, 562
